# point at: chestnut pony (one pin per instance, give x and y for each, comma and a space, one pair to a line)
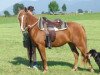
74, 35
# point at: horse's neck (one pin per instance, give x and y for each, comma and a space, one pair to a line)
32, 19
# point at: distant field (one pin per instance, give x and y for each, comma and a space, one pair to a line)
67, 17
13, 57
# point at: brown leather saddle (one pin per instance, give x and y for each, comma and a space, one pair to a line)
56, 23
52, 26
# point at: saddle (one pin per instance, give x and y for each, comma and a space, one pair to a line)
55, 25
52, 26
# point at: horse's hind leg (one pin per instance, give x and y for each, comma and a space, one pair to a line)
82, 47
76, 55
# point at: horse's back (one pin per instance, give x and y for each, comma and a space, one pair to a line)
77, 31
75, 27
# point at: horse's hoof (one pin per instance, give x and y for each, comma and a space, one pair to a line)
29, 66
44, 71
74, 69
91, 70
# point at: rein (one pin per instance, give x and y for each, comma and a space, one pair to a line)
31, 26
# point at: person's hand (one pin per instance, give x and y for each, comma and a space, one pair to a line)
29, 26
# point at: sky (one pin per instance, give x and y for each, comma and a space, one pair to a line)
42, 5
6, 3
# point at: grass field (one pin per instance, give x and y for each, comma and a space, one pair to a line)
13, 57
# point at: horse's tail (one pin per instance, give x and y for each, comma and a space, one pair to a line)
85, 39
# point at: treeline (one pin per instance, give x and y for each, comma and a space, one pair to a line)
16, 8
53, 9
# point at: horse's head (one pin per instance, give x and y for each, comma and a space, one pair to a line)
23, 18
26, 18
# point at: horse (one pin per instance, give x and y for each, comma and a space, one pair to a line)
74, 35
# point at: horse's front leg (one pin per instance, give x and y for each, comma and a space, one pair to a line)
42, 52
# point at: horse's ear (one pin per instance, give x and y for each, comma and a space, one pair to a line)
25, 9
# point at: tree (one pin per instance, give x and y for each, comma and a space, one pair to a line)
42, 12
17, 7
86, 11
64, 8
53, 7
6, 13
80, 11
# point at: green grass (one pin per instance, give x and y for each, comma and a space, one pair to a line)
13, 57
72, 17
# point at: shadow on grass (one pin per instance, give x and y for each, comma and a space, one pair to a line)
24, 61
19, 61
97, 71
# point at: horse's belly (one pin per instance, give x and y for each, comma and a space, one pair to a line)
58, 43
62, 37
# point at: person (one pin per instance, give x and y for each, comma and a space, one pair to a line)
27, 43
31, 9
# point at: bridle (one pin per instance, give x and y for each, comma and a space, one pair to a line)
31, 26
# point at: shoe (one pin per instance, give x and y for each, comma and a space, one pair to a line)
35, 67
